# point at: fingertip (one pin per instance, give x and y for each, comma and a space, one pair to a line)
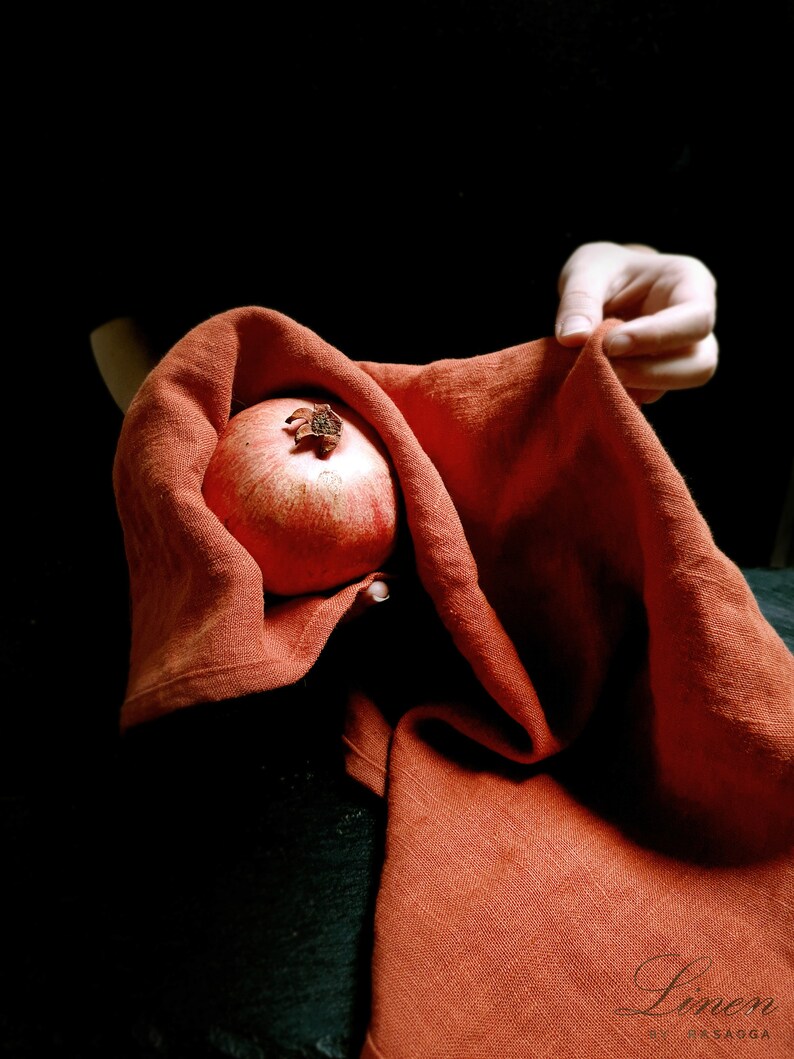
377, 592
620, 345
643, 397
573, 330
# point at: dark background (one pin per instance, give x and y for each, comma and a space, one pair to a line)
407, 180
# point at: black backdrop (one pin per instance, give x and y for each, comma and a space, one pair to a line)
407, 180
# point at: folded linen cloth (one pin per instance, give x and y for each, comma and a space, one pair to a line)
589, 800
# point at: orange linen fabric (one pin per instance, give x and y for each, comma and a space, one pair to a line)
589, 825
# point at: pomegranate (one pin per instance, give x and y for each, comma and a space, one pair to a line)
308, 490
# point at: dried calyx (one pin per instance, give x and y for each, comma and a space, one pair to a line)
321, 422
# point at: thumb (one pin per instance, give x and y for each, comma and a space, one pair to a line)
579, 313
582, 286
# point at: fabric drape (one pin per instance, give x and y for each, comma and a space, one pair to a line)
588, 778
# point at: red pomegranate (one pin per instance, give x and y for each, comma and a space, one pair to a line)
307, 488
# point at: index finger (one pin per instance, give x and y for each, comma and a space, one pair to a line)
664, 331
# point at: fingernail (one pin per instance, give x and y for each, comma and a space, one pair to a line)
620, 346
575, 325
379, 591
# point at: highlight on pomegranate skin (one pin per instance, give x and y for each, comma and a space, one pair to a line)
307, 488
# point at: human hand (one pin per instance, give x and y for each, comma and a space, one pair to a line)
668, 302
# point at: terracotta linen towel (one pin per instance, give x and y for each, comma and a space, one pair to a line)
589, 796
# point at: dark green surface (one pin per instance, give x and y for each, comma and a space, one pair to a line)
209, 895
774, 590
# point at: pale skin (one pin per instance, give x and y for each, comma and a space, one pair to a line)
669, 303
666, 342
